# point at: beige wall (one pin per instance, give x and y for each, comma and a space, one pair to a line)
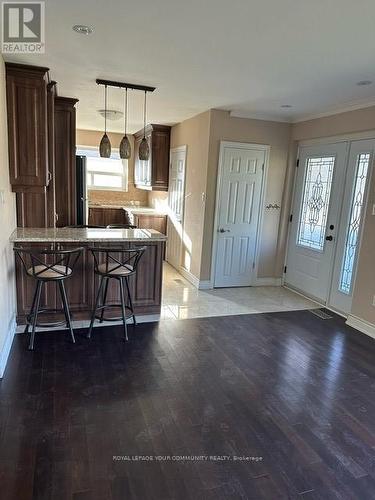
92, 138
7, 224
275, 134
202, 134
362, 120
195, 134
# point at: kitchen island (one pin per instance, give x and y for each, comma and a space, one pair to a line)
82, 285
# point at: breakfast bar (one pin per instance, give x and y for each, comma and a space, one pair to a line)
81, 287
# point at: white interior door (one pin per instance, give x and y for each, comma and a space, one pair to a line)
176, 199
241, 173
315, 218
361, 157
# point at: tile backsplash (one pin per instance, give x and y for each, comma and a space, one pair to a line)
119, 197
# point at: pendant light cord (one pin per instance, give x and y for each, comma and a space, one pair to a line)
126, 110
105, 110
144, 117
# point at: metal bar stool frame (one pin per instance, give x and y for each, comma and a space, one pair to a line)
35, 266
113, 268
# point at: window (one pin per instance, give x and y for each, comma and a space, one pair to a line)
363, 161
105, 173
315, 202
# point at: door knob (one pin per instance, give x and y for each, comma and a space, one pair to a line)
222, 230
329, 238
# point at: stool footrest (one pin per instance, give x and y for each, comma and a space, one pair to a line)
113, 306
45, 324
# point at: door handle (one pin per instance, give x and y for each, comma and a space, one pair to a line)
329, 238
222, 230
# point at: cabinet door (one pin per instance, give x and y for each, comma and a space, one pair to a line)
27, 125
26, 286
96, 216
160, 159
157, 222
32, 209
79, 287
50, 191
145, 287
65, 166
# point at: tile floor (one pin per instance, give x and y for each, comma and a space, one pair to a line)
181, 300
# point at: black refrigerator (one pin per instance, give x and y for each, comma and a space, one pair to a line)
82, 199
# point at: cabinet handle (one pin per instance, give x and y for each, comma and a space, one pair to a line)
56, 217
49, 177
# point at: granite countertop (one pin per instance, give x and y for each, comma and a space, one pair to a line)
83, 235
132, 209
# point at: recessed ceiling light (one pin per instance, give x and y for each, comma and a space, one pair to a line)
362, 83
82, 29
286, 106
112, 114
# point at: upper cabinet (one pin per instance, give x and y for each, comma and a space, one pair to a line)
27, 126
41, 131
65, 161
153, 174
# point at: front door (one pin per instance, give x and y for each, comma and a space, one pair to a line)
315, 218
238, 208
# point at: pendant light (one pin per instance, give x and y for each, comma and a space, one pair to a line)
105, 144
125, 147
144, 150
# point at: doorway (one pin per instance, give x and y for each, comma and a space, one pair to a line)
326, 222
240, 189
176, 205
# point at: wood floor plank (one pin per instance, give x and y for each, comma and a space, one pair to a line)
79, 421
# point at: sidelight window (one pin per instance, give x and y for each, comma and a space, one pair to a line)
352, 235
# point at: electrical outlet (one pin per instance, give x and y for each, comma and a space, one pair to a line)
373, 209
373, 300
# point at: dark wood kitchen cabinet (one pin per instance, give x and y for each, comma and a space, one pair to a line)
41, 131
101, 216
27, 126
146, 221
153, 174
82, 286
65, 161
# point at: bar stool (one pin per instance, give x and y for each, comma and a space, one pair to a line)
48, 266
107, 267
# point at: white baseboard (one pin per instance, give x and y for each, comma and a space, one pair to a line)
208, 285
189, 276
205, 285
200, 284
4, 354
361, 325
267, 282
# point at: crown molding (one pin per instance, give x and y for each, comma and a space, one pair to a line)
258, 116
353, 106
336, 111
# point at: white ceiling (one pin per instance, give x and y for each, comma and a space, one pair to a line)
247, 56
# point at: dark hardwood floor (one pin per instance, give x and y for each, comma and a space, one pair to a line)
293, 389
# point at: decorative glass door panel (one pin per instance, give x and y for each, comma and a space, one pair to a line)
315, 203
352, 233
359, 165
